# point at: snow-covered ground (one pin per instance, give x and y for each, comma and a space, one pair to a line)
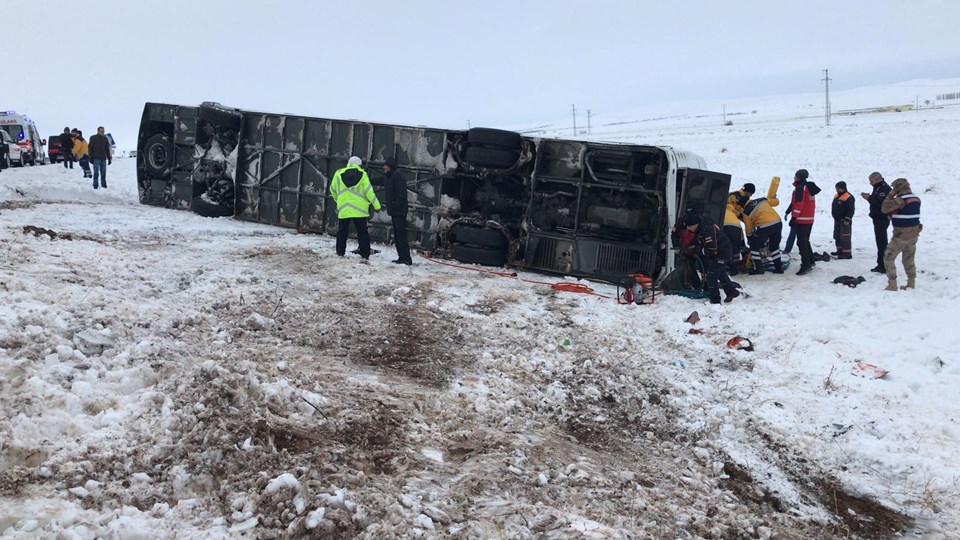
167, 375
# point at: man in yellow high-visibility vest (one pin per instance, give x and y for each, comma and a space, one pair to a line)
351, 189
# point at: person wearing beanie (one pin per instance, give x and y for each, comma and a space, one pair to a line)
881, 221
904, 209
66, 148
353, 193
842, 211
749, 188
699, 238
396, 205
804, 206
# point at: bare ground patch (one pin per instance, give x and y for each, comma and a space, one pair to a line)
409, 338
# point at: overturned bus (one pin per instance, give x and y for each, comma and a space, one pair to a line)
485, 196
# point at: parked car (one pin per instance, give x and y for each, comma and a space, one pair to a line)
8, 150
23, 130
484, 196
53, 149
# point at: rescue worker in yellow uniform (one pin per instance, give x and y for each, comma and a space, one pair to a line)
733, 229
353, 193
764, 228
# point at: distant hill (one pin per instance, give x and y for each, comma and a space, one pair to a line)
751, 110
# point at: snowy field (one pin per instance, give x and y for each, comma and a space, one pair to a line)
164, 375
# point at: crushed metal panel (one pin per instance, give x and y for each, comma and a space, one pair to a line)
704, 192
269, 206
316, 136
361, 141
341, 140
185, 127
179, 124
561, 160
384, 143
248, 203
182, 195
612, 261
311, 213
273, 132
549, 253
289, 211
293, 134
252, 128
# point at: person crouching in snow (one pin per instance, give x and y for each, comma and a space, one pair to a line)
714, 250
733, 230
764, 231
843, 208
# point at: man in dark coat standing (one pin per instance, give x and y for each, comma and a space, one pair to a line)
100, 155
842, 212
881, 221
66, 148
396, 205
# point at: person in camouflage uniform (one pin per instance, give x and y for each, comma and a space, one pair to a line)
904, 210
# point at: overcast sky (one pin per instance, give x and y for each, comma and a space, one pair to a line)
442, 63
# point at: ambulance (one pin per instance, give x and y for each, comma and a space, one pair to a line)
24, 132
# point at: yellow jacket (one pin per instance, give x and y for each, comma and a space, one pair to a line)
352, 191
732, 214
759, 213
80, 147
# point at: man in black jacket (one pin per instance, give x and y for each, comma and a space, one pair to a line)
396, 205
100, 155
66, 148
842, 212
695, 236
881, 221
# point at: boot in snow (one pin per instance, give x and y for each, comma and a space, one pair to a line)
777, 266
891, 285
911, 283
715, 296
731, 292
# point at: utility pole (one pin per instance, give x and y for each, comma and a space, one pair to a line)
468, 123
724, 115
917, 106
826, 99
573, 108
588, 122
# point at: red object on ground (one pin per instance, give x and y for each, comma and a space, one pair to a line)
564, 286
740, 343
871, 371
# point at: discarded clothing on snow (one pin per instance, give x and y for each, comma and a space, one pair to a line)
849, 281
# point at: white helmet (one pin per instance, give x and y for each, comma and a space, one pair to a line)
354, 160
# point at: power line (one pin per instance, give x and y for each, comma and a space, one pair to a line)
826, 99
